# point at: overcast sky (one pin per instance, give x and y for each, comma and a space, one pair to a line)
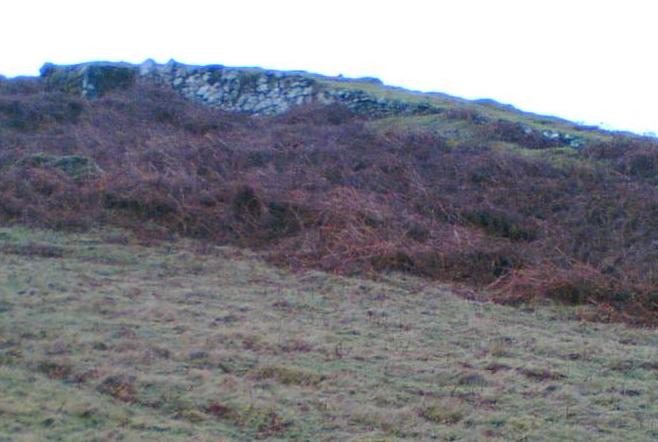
585, 60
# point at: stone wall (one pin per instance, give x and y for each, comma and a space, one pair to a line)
248, 90
91, 80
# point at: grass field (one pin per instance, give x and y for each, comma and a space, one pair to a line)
104, 338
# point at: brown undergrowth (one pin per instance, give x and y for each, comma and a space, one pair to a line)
316, 188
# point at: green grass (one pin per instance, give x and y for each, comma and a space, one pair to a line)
103, 338
453, 129
393, 93
440, 100
561, 157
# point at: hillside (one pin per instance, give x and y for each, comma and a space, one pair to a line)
104, 337
216, 253
346, 176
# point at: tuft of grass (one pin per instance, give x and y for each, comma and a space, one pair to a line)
120, 387
290, 375
445, 412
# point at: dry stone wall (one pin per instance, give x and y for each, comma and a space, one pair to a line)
247, 90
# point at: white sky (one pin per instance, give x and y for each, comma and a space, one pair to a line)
585, 60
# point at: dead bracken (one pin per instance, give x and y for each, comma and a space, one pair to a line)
498, 205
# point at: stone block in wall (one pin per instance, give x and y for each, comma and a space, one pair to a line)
91, 80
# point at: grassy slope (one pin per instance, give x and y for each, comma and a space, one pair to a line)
439, 122
104, 339
459, 130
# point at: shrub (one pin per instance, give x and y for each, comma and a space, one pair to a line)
316, 188
28, 113
502, 223
121, 387
76, 167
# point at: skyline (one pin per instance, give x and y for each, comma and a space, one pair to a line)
588, 63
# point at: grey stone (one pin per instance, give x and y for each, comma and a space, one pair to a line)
247, 90
90, 80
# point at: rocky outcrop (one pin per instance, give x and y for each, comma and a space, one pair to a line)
91, 80
247, 90
561, 139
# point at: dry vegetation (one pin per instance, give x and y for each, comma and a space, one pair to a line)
320, 188
105, 338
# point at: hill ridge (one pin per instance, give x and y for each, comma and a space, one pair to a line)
260, 91
519, 205
240, 89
